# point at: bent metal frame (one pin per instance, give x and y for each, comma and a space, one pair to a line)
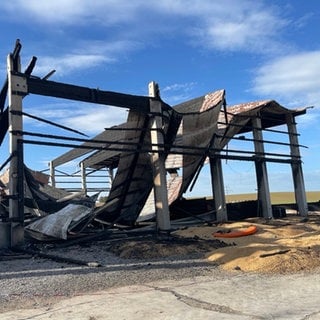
20, 84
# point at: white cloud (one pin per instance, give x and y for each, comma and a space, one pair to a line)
87, 55
226, 25
180, 86
73, 11
69, 63
84, 117
79, 12
247, 27
93, 120
229, 25
178, 92
293, 77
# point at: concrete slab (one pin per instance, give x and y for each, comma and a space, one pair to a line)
237, 297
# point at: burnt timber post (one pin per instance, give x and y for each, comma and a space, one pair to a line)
297, 174
158, 162
261, 170
17, 89
218, 189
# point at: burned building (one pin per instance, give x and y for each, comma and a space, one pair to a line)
153, 157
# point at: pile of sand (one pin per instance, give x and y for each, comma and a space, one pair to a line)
284, 245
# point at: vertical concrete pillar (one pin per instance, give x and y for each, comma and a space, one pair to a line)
218, 189
158, 163
297, 174
261, 170
52, 174
17, 88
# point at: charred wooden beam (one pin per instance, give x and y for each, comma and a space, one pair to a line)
72, 92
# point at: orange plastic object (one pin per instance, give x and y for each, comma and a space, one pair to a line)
234, 234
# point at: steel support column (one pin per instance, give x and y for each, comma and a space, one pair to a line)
297, 174
261, 170
218, 189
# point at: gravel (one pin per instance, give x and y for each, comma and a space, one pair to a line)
27, 280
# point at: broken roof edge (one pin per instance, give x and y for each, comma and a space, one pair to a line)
204, 102
211, 98
243, 108
237, 118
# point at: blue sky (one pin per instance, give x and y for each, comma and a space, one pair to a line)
254, 50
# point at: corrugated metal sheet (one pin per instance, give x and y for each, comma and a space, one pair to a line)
199, 125
133, 181
59, 224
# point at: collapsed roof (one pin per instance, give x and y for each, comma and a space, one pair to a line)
203, 124
191, 133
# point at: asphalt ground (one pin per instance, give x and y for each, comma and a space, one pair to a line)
171, 289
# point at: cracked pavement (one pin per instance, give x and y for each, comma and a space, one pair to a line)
232, 296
